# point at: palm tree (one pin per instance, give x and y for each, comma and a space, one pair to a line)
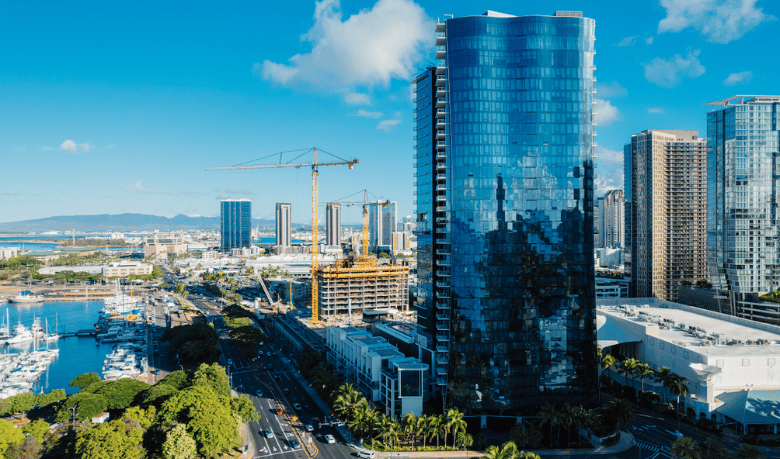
664, 376
455, 422
347, 399
385, 426
565, 418
579, 416
434, 427
507, 451
363, 419
621, 411
465, 440
548, 415
749, 452
685, 448
714, 450
677, 387
422, 427
644, 370
628, 367
607, 361
410, 428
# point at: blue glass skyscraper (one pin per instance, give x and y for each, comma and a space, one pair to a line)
743, 196
236, 224
504, 210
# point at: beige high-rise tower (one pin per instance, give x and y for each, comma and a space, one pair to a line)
668, 190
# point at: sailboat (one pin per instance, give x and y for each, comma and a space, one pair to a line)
51, 337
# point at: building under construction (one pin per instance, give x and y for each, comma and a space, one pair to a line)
367, 284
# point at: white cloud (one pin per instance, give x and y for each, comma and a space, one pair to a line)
367, 114
137, 188
46, 148
387, 125
68, 145
222, 196
720, 21
85, 146
649, 40
355, 98
20, 149
369, 48
668, 73
655, 111
628, 41
611, 157
110, 146
605, 113
611, 89
738, 78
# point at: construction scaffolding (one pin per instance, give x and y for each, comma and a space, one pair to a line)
366, 284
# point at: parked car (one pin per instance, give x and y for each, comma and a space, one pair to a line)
259, 393
330, 439
366, 454
295, 443
297, 406
309, 428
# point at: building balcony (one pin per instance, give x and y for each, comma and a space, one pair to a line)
441, 381
442, 338
442, 359
441, 54
441, 103
441, 114
441, 371
442, 273
440, 27
442, 349
441, 70
443, 284
441, 82
441, 125
443, 306
441, 146
442, 295
441, 316
443, 230
440, 41
442, 327
441, 93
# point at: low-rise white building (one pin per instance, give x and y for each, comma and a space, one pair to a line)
8, 252
732, 365
378, 369
126, 268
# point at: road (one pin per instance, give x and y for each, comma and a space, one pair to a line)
279, 385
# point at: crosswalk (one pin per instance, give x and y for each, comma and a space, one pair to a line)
655, 450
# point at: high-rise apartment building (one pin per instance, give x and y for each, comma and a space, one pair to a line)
668, 182
743, 224
505, 292
236, 224
382, 223
612, 220
598, 208
283, 224
333, 224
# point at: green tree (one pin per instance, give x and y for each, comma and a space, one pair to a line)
628, 368
23, 403
145, 417
52, 397
678, 388
110, 440
176, 379
465, 440
347, 399
364, 419
384, 427
714, 450
548, 415
158, 393
434, 427
206, 415
244, 407
620, 411
88, 405
30, 448
121, 393
37, 429
455, 422
664, 376
84, 380
213, 376
9, 435
644, 370
686, 448
749, 452
178, 444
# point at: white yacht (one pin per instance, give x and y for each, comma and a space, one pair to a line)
20, 335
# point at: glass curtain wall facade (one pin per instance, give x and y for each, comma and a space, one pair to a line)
236, 224
512, 180
743, 139
283, 224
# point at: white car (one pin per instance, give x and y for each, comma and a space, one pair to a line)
330, 439
309, 428
366, 454
674, 433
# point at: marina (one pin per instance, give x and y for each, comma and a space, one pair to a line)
82, 352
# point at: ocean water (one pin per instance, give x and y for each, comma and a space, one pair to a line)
77, 355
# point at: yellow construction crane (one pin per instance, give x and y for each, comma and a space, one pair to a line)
365, 216
314, 211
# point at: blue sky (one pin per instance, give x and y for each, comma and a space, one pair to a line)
112, 108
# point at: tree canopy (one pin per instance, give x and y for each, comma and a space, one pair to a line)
9, 435
110, 440
121, 393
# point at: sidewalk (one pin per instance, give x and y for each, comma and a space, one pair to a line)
626, 442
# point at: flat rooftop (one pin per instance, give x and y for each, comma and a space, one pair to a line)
695, 327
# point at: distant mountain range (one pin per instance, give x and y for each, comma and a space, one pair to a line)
120, 222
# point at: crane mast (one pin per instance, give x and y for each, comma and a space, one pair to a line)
314, 214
